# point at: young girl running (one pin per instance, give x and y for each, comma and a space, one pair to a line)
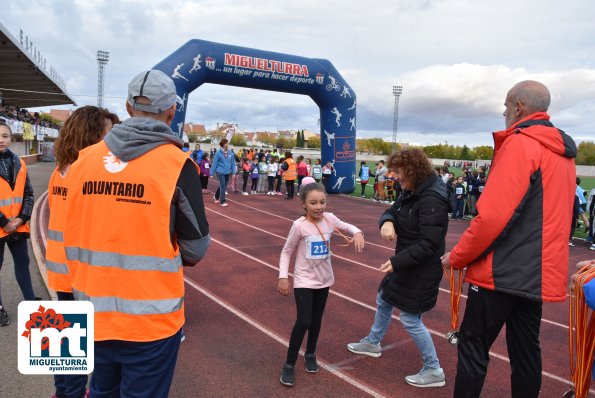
310, 238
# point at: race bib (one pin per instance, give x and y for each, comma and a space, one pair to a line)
207, 166
481, 188
316, 248
459, 191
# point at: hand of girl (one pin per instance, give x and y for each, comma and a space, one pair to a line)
386, 267
387, 232
283, 286
358, 242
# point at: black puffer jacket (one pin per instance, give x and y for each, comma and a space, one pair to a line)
10, 165
421, 222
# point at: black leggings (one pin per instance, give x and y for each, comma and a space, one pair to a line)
289, 185
245, 185
271, 180
204, 181
254, 184
310, 305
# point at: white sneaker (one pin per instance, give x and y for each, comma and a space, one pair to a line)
224, 204
245, 193
592, 247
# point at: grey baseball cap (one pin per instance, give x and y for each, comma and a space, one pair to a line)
157, 87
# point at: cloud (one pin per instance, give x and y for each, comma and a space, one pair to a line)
455, 59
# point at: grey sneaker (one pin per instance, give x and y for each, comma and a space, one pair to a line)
311, 364
364, 347
427, 378
288, 375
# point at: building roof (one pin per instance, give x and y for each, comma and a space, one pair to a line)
24, 80
191, 128
60, 114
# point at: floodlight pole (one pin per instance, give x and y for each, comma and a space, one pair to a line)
397, 91
102, 59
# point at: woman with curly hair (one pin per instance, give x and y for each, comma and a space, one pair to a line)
419, 218
86, 126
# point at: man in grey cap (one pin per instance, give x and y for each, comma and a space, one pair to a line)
134, 216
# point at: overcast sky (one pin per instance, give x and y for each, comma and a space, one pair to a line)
455, 59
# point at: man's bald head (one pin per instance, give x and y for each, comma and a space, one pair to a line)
524, 99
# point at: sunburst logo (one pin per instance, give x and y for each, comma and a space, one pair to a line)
113, 164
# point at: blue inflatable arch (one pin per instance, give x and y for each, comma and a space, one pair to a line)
199, 61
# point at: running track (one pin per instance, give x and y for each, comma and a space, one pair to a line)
238, 326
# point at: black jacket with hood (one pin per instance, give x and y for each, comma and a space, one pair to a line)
421, 221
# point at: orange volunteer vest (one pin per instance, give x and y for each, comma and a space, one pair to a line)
11, 200
291, 173
118, 243
55, 256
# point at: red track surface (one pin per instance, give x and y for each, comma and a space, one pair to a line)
237, 325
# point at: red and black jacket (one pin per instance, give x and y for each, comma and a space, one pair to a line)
518, 243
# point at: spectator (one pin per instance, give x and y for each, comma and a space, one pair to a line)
317, 170
510, 270
460, 194
302, 171
156, 225
364, 176
419, 221
205, 172
15, 187
224, 165
289, 174
327, 170
473, 189
197, 154
381, 180
580, 192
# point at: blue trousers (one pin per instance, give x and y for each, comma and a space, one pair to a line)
20, 256
412, 323
70, 386
223, 180
130, 369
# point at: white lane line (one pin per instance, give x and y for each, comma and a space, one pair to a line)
274, 336
373, 308
235, 220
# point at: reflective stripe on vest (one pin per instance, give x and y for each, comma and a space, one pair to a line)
58, 236
56, 267
9, 201
123, 261
131, 307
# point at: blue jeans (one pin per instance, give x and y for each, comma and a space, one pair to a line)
412, 323
223, 180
